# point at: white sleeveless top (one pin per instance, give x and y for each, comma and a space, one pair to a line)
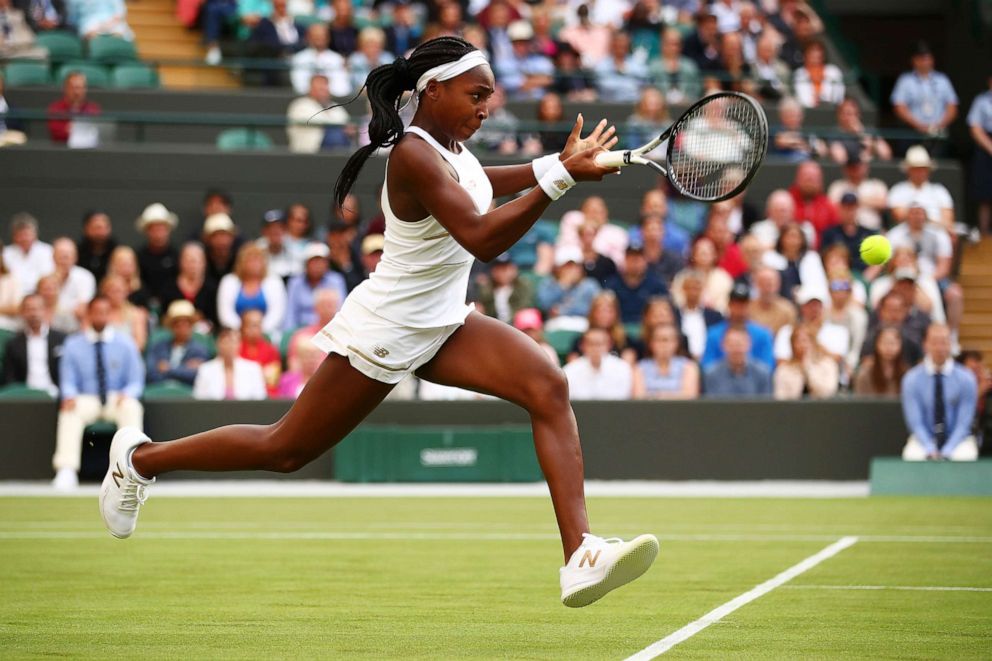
422, 279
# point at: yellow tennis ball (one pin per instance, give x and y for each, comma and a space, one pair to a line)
876, 250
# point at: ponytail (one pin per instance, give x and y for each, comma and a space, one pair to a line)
386, 85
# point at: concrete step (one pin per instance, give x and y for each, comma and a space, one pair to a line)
976, 317
979, 305
977, 280
171, 51
142, 9
155, 20
191, 77
164, 37
972, 267
979, 292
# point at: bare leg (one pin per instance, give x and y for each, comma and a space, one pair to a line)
336, 399
954, 307
985, 218
488, 356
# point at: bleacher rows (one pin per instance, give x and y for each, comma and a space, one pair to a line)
107, 61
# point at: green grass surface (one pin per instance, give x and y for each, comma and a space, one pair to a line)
477, 578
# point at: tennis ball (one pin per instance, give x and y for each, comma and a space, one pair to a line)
876, 250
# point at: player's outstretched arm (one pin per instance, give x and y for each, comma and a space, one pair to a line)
421, 184
510, 179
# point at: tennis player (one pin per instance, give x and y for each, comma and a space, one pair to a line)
410, 316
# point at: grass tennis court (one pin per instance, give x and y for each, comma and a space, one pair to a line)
455, 578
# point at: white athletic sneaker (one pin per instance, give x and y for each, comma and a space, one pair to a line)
601, 565
214, 56
123, 491
65, 480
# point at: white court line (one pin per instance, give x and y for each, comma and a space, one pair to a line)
196, 530
594, 488
914, 588
688, 631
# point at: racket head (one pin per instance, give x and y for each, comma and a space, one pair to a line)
717, 146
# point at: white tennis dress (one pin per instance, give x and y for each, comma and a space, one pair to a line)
396, 321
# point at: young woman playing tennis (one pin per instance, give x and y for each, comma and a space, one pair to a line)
411, 316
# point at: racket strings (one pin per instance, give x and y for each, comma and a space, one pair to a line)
717, 146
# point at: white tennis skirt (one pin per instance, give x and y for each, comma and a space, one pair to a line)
378, 348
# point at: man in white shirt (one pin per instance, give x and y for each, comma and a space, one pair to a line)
934, 257
313, 124
32, 356
918, 188
281, 261
27, 258
598, 374
78, 284
780, 210
318, 58
932, 245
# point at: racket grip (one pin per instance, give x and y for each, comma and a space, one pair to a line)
613, 159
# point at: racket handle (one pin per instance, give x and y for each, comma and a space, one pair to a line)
613, 159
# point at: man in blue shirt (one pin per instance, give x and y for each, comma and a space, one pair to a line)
737, 375
317, 274
738, 316
636, 285
925, 99
938, 402
179, 356
101, 377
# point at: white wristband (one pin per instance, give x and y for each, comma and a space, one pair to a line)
556, 181
543, 164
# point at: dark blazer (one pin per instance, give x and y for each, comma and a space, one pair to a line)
15, 358
185, 373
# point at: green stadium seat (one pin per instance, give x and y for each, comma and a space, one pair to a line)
168, 390
22, 391
533, 278
550, 226
633, 330
134, 75
284, 344
5, 336
561, 341
243, 140
62, 46
108, 49
306, 21
101, 428
96, 75
22, 74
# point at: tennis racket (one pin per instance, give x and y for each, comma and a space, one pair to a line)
714, 149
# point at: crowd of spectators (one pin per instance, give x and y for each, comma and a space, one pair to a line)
777, 304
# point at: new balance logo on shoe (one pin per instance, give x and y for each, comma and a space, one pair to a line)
589, 557
118, 475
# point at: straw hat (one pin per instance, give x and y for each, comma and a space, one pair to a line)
156, 213
917, 156
179, 309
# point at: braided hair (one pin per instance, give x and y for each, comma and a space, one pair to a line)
386, 85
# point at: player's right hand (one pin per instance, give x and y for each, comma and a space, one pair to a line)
583, 167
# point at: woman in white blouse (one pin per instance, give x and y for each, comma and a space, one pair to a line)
251, 287
798, 265
228, 376
818, 82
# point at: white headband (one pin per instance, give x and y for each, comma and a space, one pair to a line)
443, 72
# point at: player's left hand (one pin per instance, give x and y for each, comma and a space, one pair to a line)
601, 137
